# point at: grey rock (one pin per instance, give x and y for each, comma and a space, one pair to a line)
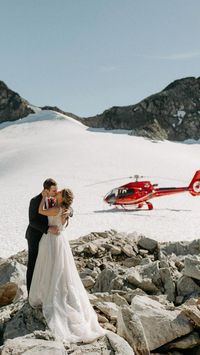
24, 322
186, 286
168, 283
115, 250
103, 281
119, 300
128, 250
91, 248
132, 293
160, 326
192, 267
88, 282
132, 261
187, 342
119, 345
143, 252
181, 248
130, 328
147, 243
110, 309
117, 283
146, 277
192, 312
12, 271
31, 346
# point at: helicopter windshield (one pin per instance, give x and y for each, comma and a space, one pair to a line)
113, 193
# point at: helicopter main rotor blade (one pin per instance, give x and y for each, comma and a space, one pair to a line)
136, 176
104, 181
166, 178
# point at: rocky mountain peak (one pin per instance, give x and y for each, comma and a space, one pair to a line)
173, 113
12, 105
183, 83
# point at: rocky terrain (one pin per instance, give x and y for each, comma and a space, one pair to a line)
173, 113
12, 106
145, 293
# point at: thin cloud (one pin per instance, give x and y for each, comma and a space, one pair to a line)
178, 56
175, 56
108, 68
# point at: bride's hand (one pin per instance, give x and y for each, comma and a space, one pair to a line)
44, 193
65, 212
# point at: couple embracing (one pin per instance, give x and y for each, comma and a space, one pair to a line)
53, 282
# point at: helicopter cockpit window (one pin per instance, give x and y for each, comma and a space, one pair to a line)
125, 192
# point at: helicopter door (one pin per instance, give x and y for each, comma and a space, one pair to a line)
124, 192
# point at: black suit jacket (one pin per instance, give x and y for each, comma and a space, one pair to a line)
38, 224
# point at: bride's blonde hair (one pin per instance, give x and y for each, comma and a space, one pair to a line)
68, 197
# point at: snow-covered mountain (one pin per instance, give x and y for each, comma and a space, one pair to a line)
49, 144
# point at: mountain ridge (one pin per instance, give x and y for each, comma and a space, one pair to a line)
172, 114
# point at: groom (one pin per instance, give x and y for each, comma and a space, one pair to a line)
38, 225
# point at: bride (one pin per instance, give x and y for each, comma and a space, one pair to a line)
56, 285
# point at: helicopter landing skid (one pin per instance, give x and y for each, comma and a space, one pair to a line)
150, 206
139, 206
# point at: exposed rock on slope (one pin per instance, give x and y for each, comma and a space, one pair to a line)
173, 113
57, 109
12, 106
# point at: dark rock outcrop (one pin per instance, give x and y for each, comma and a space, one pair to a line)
12, 106
57, 109
173, 113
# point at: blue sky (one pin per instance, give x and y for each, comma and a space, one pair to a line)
86, 56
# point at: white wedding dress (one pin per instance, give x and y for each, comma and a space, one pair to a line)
57, 287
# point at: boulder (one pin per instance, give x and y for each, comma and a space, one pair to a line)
13, 272
186, 286
192, 267
8, 292
130, 328
146, 277
119, 345
189, 341
160, 326
147, 243
168, 283
31, 346
103, 281
25, 321
110, 309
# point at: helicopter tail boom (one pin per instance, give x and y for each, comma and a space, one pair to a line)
194, 186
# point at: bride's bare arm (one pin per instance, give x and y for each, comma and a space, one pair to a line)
49, 211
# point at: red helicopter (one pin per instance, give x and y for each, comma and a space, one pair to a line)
140, 192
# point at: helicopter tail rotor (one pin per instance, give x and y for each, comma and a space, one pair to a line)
194, 187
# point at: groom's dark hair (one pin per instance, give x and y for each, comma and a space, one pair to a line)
48, 183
